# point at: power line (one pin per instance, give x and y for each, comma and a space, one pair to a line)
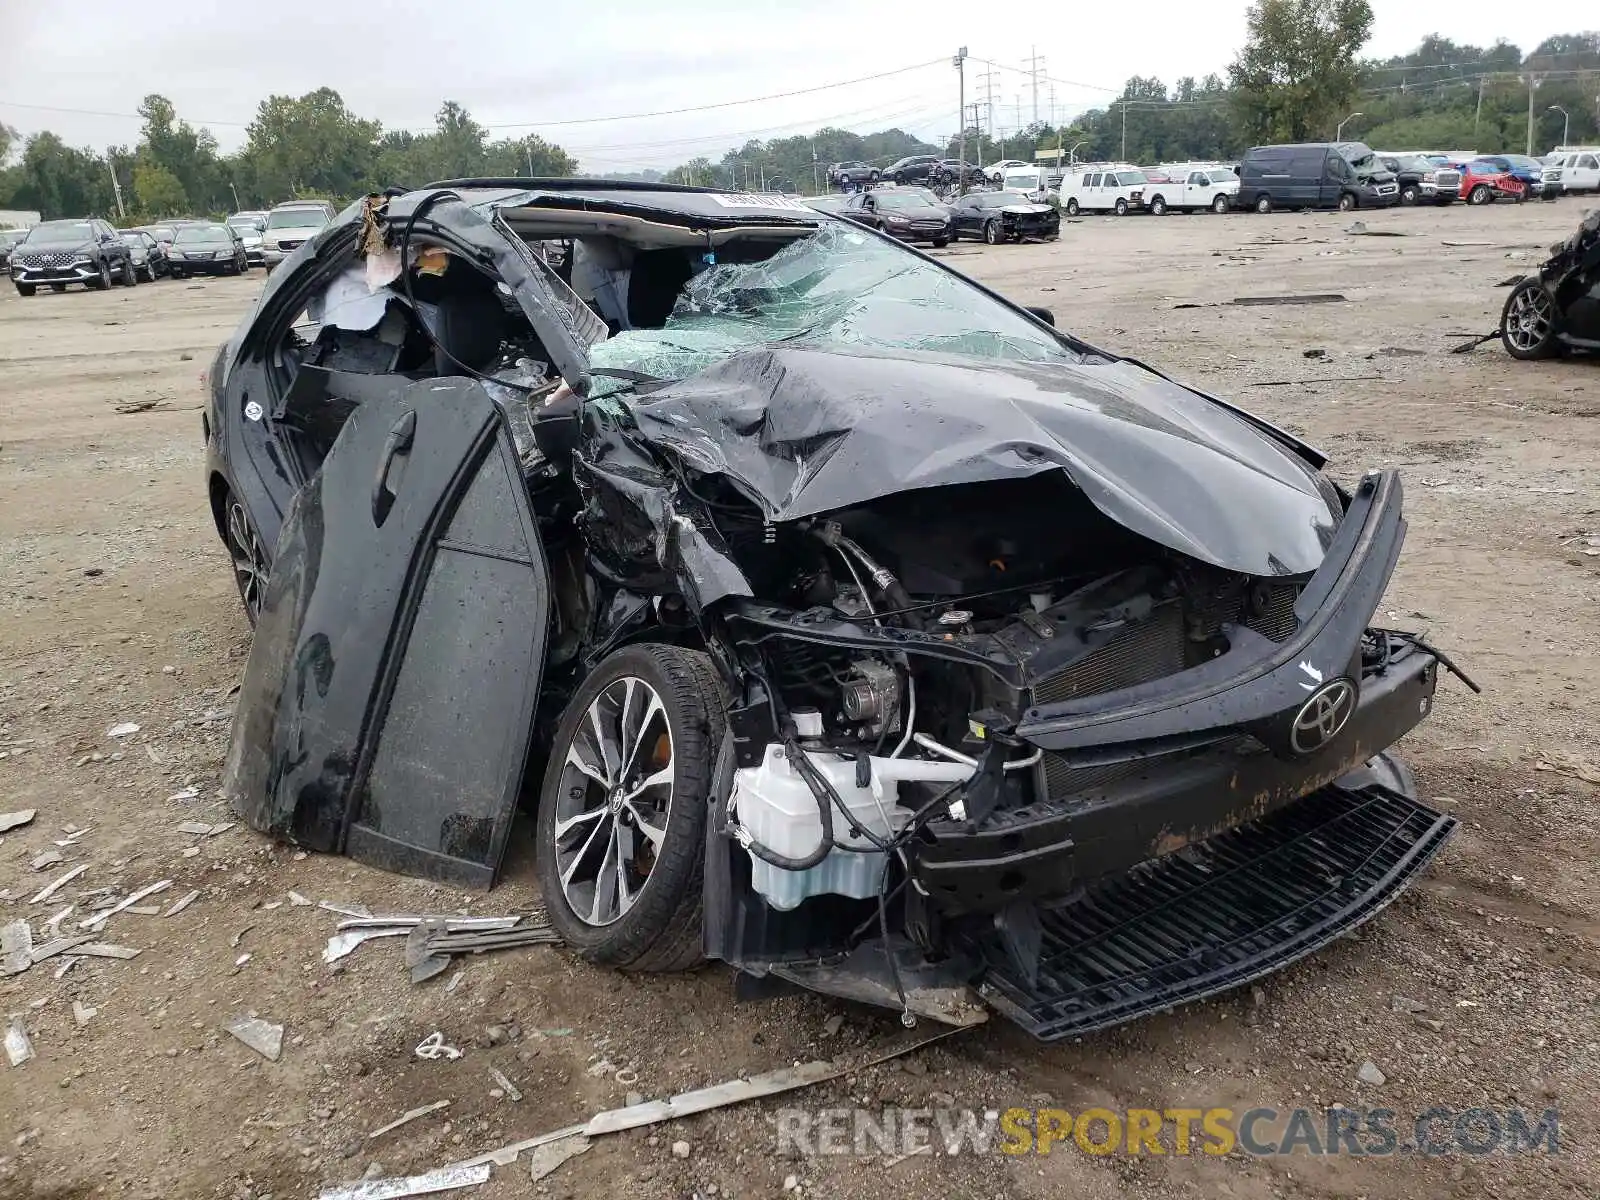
668, 112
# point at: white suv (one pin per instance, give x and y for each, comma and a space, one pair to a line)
290, 225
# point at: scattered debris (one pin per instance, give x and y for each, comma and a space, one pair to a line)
548, 1157
1315, 379
265, 1038
1302, 298
1402, 1004
1313, 353
82, 1012
100, 918
1467, 347
16, 820
138, 406
52, 888
19, 1049
50, 858
188, 793
684, 1104
196, 828
1396, 352
455, 981
410, 1116
341, 944
298, 901
239, 937
444, 1180
106, 950
681, 1149
16, 947
1572, 768
180, 905
59, 946
832, 1025
126, 729
504, 1084
344, 910
1359, 229
1511, 281
1369, 1073
433, 1046
1447, 242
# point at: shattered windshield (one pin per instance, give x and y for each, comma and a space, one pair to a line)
836, 287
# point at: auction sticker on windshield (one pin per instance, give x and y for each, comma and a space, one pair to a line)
748, 200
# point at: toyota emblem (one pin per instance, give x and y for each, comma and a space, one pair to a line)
1322, 716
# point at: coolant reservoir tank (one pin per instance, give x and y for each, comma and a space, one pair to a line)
776, 807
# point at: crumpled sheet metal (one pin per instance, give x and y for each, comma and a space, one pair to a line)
807, 431
443, 1180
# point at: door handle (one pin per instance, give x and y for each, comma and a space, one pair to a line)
396, 445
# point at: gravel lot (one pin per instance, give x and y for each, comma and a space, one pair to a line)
116, 605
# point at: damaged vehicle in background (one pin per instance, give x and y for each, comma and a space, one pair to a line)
858, 629
1558, 310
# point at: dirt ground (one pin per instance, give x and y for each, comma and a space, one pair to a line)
117, 605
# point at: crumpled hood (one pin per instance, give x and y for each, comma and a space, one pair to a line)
807, 431
1025, 210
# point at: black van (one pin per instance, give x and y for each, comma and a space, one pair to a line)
1342, 175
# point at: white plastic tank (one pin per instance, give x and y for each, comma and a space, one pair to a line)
775, 806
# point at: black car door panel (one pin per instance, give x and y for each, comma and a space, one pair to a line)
389, 696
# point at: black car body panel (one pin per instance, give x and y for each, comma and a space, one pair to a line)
806, 432
390, 692
1559, 309
1069, 617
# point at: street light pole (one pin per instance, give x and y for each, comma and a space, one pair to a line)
1338, 134
236, 205
960, 62
1566, 122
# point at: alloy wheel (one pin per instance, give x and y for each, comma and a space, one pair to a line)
1528, 321
614, 800
250, 567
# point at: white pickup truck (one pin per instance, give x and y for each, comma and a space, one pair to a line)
1580, 169
1214, 188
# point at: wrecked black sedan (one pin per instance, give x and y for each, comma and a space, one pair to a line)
854, 626
1558, 310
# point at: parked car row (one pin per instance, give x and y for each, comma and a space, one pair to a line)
915, 214
90, 251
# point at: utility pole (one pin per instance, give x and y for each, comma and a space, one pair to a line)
1124, 105
1052, 106
528, 146
1478, 116
116, 188
1035, 68
1533, 86
987, 81
236, 205
960, 64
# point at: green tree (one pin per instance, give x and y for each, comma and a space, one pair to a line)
1297, 73
61, 181
158, 192
9, 140
310, 145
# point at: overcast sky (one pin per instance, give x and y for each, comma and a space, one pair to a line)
524, 67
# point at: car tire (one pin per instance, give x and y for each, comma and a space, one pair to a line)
251, 566
1529, 322
1121, 207
1220, 204
104, 281
176, 274
1347, 202
27, 289
1263, 204
1410, 194
1158, 206
1072, 207
149, 272
1480, 194
940, 243
992, 236
681, 727
130, 273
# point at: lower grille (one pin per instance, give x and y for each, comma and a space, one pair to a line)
1218, 914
